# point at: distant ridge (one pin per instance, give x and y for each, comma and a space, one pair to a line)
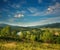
53, 25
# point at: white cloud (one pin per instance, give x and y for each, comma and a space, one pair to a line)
5, 0
18, 6
51, 20
32, 9
24, 11
54, 9
39, 1
19, 15
4, 9
14, 5
54, 0
50, 10
41, 22
45, 21
23, 2
11, 20
9, 15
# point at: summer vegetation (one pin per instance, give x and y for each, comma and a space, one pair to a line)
29, 38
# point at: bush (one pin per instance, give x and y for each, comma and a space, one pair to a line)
46, 37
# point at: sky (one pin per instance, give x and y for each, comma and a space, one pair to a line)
29, 12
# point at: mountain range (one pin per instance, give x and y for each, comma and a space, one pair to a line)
53, 25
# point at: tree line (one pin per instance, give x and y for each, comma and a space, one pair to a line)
31, 35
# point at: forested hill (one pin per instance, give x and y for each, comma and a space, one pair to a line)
16, 28
53, 25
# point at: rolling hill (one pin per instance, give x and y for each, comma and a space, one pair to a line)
53, 25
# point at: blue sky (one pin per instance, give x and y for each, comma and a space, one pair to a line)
29, 12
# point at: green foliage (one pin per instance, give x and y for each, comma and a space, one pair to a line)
6, 31
56, 39
32, 34
13, 33
46, 36
32, 37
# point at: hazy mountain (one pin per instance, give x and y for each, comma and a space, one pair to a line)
17, 28
53, 25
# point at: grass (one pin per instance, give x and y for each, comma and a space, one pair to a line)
14, 45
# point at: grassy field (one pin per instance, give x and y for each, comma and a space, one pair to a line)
14, 45
30, 39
